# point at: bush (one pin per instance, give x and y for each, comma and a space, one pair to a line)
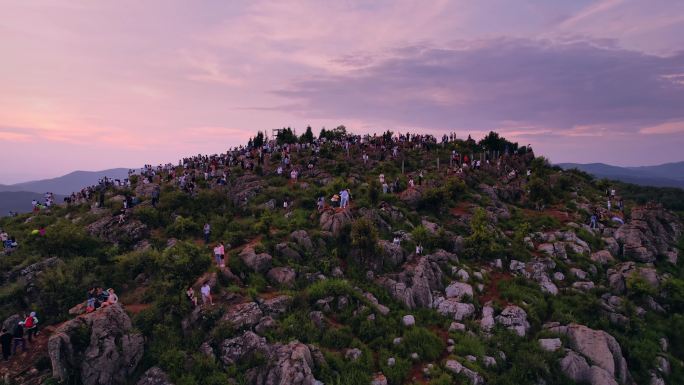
422, 341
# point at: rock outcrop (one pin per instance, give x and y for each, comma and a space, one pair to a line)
154, 376
109, 229
596, 356
650, 232
334, 221
260, 263
414, 285
100, 346
285, 364
620, 274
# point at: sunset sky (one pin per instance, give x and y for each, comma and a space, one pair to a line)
91, 85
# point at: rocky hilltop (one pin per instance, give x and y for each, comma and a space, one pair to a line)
393, 259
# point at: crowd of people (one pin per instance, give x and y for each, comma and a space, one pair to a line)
98, 298
11, 340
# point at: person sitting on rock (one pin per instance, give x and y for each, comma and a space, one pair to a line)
112, 298
101, 297
90, 302
191, 296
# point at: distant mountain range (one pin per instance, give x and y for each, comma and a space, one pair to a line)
664, 175
18, 197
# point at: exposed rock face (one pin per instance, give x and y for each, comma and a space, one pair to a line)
550, 344
487, 322
283, 276
257, 262
392, 254
285, 364
109, 229
243, 315
605, 361
334, 221
618, 276
537, 269
245, 188
154, 376
301, 238
459, 290
411, 196
112, 354
650, 232
30, 272
452, 308
602, 257
514, 318
414, 284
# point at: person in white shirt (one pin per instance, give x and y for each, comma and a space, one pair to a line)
206, 294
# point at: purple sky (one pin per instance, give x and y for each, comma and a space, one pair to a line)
98, 84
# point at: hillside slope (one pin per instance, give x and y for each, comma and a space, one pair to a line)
438, 271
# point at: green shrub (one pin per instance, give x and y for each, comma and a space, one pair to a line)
422, 341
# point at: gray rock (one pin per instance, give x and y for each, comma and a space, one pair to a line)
408, 320
550, 344
514, 318
282, 276
243, 315
353, 354
459, 290
257, 262
112, 354
154, 376
450, 307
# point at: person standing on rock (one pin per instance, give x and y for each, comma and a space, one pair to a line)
6, 342
206, 294
18, 337
31, 325
219, 254
207, 232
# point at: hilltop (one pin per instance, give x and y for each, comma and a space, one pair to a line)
455, 261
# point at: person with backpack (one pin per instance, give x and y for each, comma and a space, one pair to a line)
6, 342
31, 325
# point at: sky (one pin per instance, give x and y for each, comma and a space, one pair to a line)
90, 85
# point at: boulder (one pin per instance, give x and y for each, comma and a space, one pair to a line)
414, 285
234, 349
108, 228
334, 221
154, 376
243, 315
111, 355
257, 262
514, 318
487, 322
277, 305
602, 257
450, 307
408, 320
618, 276
459, 290
550, 344
301, 238
650, 232
600, 348
282, 276
392, 255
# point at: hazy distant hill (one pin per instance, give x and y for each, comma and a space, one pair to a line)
68, 183
664, 175
20, 201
